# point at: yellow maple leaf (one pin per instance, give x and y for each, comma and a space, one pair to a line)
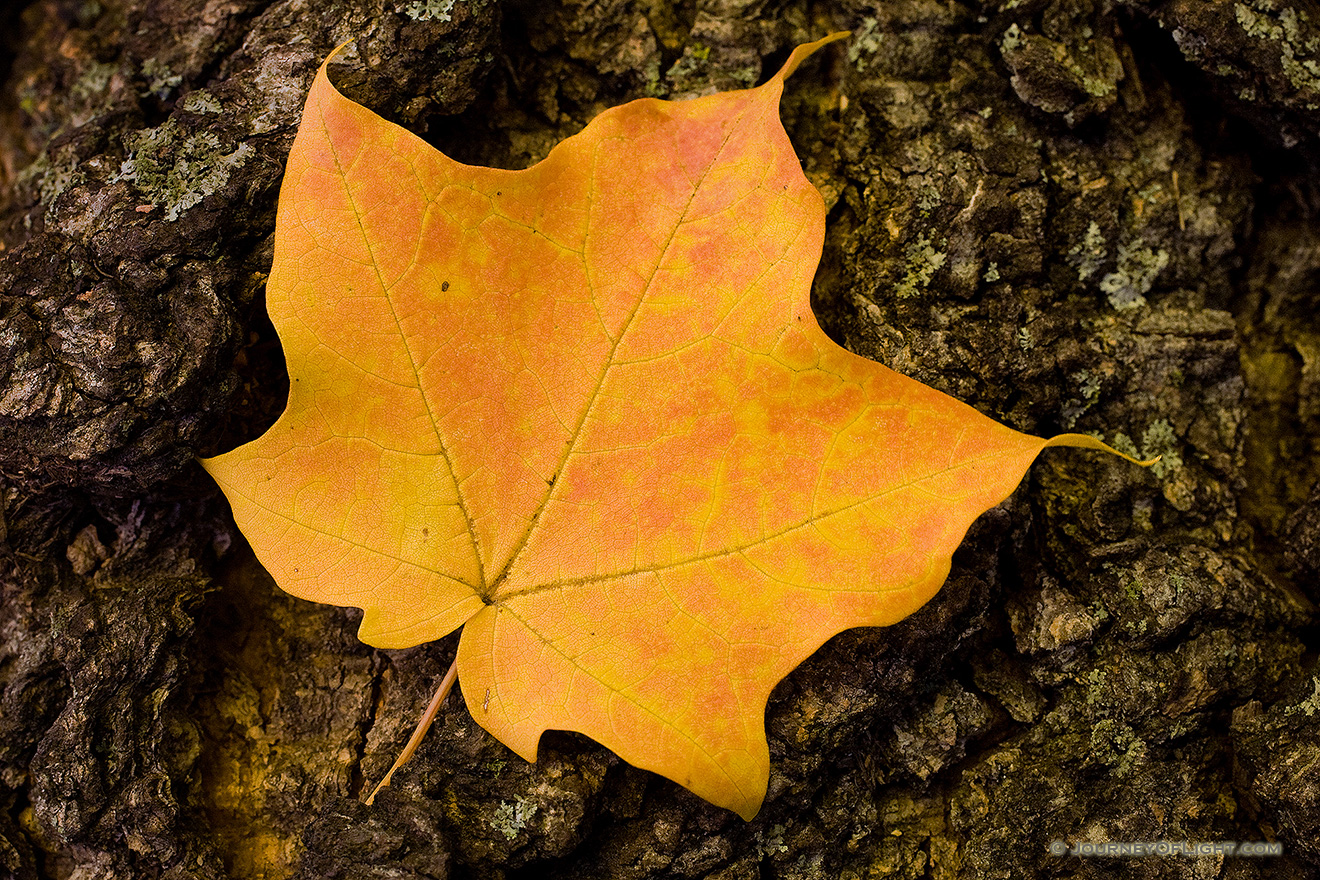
584, 411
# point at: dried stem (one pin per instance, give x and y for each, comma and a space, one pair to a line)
427, 719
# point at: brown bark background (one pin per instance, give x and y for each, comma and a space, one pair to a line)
1094, 215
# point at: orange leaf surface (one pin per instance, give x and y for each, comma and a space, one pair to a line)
584, 411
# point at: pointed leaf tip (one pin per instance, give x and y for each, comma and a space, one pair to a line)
1086, 441
805, 51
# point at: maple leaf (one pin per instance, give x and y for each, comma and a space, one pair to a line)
584, 411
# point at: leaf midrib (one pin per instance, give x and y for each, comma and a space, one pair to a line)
811, 520
490, 595
412, 360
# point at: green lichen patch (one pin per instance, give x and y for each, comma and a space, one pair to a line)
1090, 253
1158, 440
201, 103
693, 61
770, 843
866, 40
1138, 267
1088, 394
52, 175
430, 10
1011, 39
92, 84
920, 263
1299, 52
511, 817
1311, 705
201, 166
160, 80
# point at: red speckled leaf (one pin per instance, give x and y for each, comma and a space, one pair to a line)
584, 411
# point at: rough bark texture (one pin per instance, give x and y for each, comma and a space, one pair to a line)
1096, 215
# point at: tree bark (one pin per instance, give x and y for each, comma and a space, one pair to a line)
1076, 215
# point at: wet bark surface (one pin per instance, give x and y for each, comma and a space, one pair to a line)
1081, 215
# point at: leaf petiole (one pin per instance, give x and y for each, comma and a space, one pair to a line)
423, 725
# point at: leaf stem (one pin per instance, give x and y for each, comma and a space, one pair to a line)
423, 725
